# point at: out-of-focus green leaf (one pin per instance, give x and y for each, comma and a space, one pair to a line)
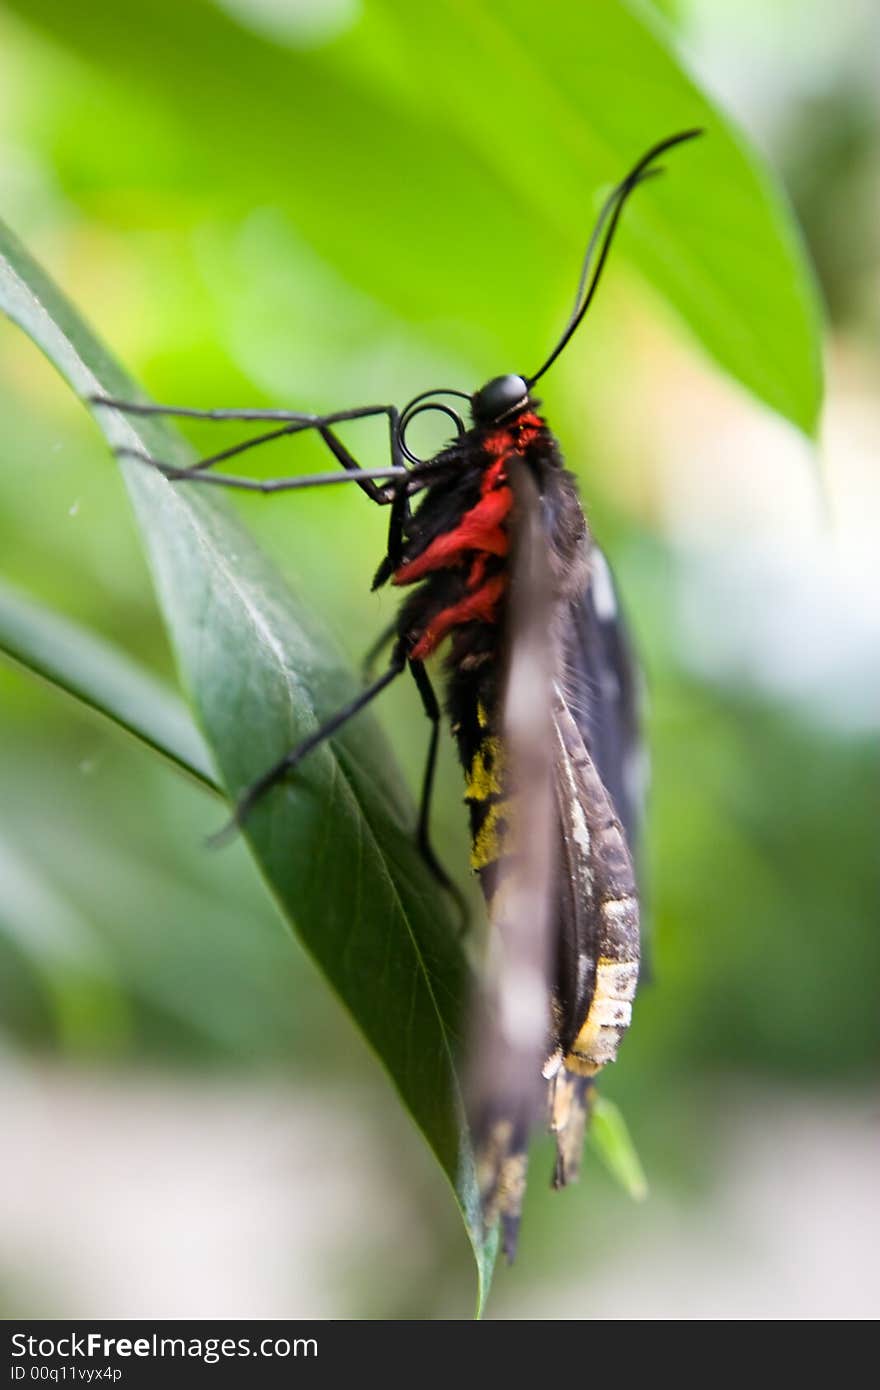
87, 1005
578, 102
418, 120
336, 847
611, 1140
104, 678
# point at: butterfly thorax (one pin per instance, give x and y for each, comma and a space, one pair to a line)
457, 549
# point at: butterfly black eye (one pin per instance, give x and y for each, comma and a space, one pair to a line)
498, 398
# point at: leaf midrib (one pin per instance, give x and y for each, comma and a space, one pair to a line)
293, 687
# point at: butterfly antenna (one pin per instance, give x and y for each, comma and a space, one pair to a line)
603, 236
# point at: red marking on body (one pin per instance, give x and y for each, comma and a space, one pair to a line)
510, 439
477, 607
528, 428
479, 529
480, 534
477, 571
493, 475
498, 444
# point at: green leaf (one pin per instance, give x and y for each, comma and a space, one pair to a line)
70, 961
578, 102
448, 159
77, 661
610, 1138
335, 847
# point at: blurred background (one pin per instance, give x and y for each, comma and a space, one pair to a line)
193, 1126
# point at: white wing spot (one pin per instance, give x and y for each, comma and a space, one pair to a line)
602, 588
579, 828
523, 1005
585, 964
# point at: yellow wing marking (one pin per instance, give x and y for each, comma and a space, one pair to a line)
488, 844
608, 1016
484, 778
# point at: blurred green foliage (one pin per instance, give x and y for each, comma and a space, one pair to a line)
255, 214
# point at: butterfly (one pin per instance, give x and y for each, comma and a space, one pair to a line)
489, 543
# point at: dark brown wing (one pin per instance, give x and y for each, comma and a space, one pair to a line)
602, 687
599, 793
564, 926
605, 928
513, 1014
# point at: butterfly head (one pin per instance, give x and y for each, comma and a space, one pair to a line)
500, 398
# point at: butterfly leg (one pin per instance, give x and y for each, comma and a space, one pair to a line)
287, 423
290, 761
376, 649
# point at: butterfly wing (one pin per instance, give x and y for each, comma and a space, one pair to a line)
564, 922
599, 800
603, 690
513, 1012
